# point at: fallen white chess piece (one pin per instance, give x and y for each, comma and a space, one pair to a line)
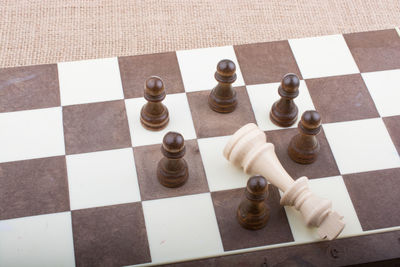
247, 148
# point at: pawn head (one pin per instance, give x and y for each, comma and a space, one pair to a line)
173, 142
257, 185
154, 86
290, 82
226, 67
311, 119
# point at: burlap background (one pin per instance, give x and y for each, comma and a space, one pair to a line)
47, 31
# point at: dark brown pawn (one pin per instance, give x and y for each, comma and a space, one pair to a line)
154, 115
223, 97
304, 147
284, 111
172, 170
253, 212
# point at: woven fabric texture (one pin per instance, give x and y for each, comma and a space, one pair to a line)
48, 31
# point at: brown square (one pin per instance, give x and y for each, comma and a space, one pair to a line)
341, 98
29, 87
146, 160
110, 236
375, 50
234, 236
95, 127
324, 166
136, 69
266, 62
376, 197
209, 123
393, 126
33, 187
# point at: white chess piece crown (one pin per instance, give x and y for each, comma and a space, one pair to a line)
248, 148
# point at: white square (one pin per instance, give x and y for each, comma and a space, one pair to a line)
323, 56
198, 67
44, 240
102, 178
89, 81
221, 174
31, 134
398, 30
182, 228
362, 145
180, 120
384, 89
263, 96
334, 189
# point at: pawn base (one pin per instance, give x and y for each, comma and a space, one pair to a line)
172, 179
154, 123
303, 156
283, 119
252, 221
222, 105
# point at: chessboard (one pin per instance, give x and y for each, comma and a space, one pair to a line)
78, 183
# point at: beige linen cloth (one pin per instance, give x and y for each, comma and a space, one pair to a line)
47, 31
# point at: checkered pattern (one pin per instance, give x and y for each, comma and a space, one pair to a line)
78, 172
